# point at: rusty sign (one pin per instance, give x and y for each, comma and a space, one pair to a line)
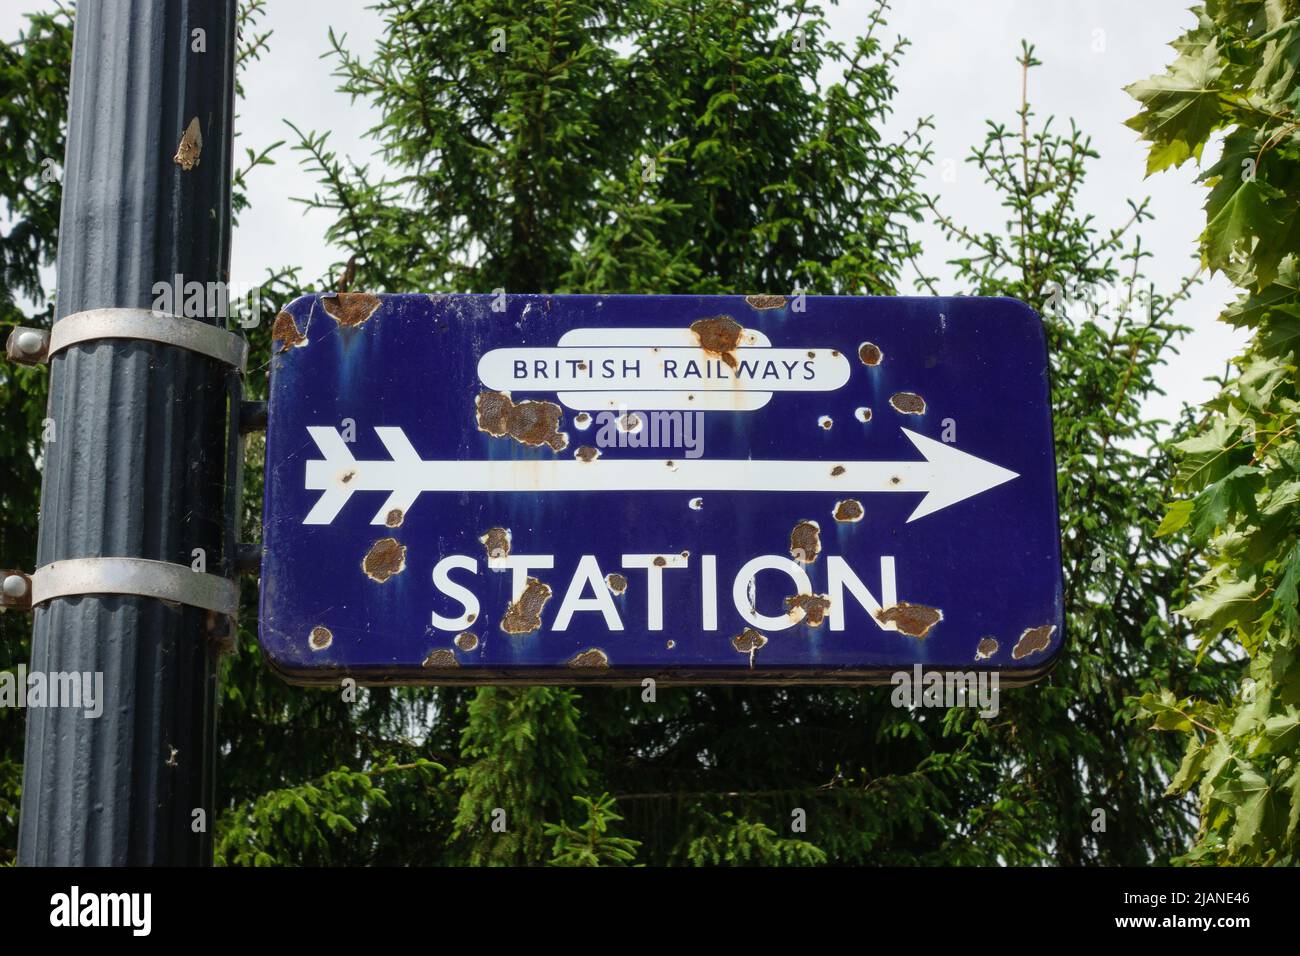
467, 488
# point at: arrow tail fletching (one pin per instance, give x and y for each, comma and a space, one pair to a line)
331, 475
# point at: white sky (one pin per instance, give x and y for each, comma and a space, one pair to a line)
960, 68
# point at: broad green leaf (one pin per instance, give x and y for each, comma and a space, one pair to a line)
1180, 108
1220, 606
1207, 455
1237, 223
1283, 293
1287, 592
1291, 787
1233, 494
1281, 58
1176, 516
1193, 764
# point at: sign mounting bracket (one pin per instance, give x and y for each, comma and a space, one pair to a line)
141, 577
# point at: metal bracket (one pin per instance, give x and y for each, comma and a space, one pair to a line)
136, 576
252, 417
210, 340
248, 558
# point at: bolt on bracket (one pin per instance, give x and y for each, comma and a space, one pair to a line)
15, 590
28, 346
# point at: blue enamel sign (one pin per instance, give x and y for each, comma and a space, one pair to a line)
468, 488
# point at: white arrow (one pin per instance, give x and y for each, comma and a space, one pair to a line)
947, 475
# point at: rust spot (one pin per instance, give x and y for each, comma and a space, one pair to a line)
719, 336
384, 559
582, 419
347, 476
806, 542
748, 641
813, 606
493, 410
863, 414
442, 657
661, 562
525, 615
587, 453
321, 638
496, 543
470, 618
837, 471
592, 657
914, 620
394, 518
190, 146
616, 582
909, 403
670, 645
528, 422
285, 331
686, 554
467, 640
895, 480
350, 309
870, 353
987, 648
1034, 639
825, 422
695, 504
761, 302
848, 510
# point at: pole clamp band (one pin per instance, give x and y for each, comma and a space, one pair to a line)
210, 340
140, 577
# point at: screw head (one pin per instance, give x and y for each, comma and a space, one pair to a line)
30, 342
15, 586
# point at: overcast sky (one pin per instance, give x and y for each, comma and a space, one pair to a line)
960, 69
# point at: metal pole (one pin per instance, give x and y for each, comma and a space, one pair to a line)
137, 462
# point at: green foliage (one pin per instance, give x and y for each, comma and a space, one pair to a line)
1108, 332
317, 818
1239, 474
728, 841
706, 158
591, 843
523, 758
33, 100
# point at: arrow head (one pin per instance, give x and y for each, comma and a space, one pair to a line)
957, 475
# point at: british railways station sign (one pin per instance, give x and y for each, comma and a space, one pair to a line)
467, 488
